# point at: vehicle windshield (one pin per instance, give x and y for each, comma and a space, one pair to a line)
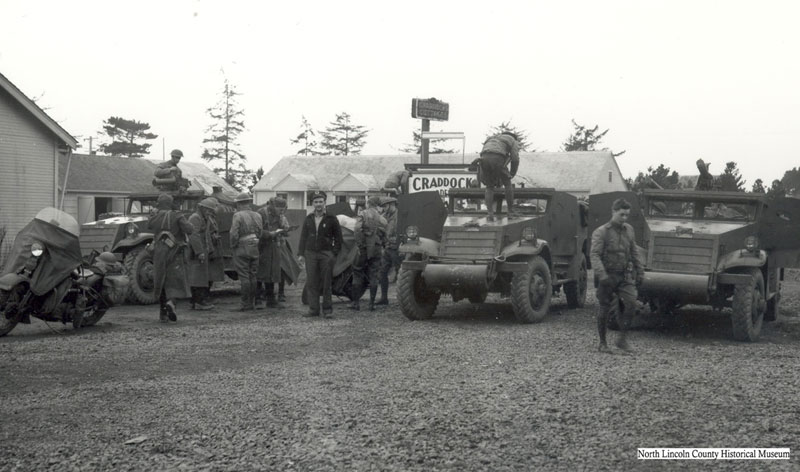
702, 209
146, 206
523, 206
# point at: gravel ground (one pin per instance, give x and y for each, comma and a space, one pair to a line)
469, 390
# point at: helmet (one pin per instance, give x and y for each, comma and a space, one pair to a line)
176, 153
164, 201
278, 202
388, 200
210, 203
243, 197
107, 257
374, 201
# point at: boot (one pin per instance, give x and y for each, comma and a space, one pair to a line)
622, 341
384, 296
162, 315
372, 290
171, 311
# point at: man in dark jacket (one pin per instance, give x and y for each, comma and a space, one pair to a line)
269, 248
170, 280
320, 242
499, 151
204, 245
245, 232
618, 269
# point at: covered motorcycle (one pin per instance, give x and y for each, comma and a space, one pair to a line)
43, 276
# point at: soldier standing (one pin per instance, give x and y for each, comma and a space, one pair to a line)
202, 247
370, 236
705, 181
618, 270
320, 243
272, 234
498, 152
170, 280
245, 233
170, 168
391, 257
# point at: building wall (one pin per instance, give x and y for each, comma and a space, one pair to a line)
261, 197
602, 184
81, 205
28, 156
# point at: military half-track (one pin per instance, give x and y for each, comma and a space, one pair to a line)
722, 249
127, 237
460, 252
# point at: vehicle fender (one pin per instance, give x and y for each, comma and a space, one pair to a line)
126, 244
741, 258
428, 247
525, 249
9, 281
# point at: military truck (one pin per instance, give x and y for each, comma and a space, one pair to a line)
127, 236
460, 252
722, 249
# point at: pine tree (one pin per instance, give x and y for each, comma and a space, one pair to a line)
758, 186
223, 137
586, 139
522, 136
660, 178
125, 136
342, 138
306, 139
730, 180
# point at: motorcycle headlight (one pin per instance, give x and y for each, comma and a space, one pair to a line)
37, 249
131, 230
412, 232
751, 243
529, 234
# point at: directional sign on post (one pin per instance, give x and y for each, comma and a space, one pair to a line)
430, 109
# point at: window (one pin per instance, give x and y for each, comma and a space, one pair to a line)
341, 199
609, 176
284, 196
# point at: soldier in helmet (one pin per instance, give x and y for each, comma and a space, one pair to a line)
245, 233
705, 181
370, 236
170, 168
272, 237
499, 151
203, 247
169, 270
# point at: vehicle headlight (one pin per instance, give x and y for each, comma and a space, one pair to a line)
751, 243
131, 230
529, 234
412, 232
37, 249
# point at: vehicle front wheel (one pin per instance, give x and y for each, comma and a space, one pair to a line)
576, 290
748, 308
139, 265
416, 301
531, 291
8, 301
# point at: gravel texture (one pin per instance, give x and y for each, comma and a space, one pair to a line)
469, 390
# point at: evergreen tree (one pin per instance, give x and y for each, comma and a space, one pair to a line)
777, 189
256, 177
343, 138
125, 137
306, 139
791, 181
730, 180
758, 186
586, 139
223, 135
522, 136
660, 178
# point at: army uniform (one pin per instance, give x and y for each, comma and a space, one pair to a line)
391, 259
204, 244
499, 151
269, 262
618, 269
245, 233
705, 181
170, 279
320, 243
170, 168
370, 236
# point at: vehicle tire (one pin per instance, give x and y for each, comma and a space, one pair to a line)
6, 296
139, 265
576, 291
748, 308
477, 298
773, 308
416, 301
531, 291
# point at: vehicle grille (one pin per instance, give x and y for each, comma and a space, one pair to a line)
694, 255
470, 244
96, 238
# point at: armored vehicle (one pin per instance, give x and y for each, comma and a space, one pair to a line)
127, 236
462, 253
723, 249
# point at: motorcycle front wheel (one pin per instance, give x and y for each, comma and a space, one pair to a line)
7, 298
92, 316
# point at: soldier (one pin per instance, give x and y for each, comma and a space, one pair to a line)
498, 152
370, 236
706, 180
245, 233
272, 235
397, 182
204, 245
618, 269
320, 243
170, 280
170, 168
391, 257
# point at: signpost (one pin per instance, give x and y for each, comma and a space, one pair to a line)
428, 109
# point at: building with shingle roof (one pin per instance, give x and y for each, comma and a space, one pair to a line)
342, 177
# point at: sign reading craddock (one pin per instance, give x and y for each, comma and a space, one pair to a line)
430, 109
441, 182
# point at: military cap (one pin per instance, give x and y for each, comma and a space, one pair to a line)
374, 201
319, 194
176, 153
164, 201
210, 203
387, 200
107, 257
243, 197
278, 202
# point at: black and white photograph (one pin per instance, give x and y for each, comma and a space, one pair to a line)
399, 236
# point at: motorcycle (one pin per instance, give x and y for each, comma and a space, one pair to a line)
45, 277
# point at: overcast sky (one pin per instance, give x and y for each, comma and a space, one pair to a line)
673, 80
